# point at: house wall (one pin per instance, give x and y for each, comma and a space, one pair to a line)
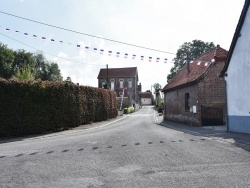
146, 101
131, 93
238, 82
212, 89
174, 105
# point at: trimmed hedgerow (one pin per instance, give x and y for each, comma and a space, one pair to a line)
33, 107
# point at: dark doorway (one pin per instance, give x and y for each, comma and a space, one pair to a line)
211, 116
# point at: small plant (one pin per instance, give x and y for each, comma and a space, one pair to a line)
125, 111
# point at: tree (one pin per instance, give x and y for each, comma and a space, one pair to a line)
22, 64
24, 73
46, 70
187, 52
24, 60
6, 61
68, 79
157, 88
54, 72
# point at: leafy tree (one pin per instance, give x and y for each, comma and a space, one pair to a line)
157, 88
6, 61
54, 72
24, 60
68, 79
24, 73
187, 52
22, 64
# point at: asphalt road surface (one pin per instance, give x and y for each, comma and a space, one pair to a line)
133, 151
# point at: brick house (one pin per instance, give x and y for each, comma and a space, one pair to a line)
236, 74
124, 81
196, 95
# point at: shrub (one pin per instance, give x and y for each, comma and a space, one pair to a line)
131, 109
32, 107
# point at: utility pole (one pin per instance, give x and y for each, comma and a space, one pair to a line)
107, 74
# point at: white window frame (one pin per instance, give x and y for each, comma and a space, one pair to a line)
112, 83
103, 83
121, 81
130, 83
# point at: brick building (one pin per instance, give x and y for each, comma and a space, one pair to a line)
124, 81
196, 95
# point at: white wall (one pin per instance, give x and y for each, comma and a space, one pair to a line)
238, 79
146, 101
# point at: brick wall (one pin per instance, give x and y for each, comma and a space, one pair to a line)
208, 92
212, 89
174, 108
131, 93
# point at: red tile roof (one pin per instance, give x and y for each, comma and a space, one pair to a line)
127, 72
145, 95
196, 71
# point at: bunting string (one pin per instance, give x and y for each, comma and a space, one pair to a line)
88, 48
108, 52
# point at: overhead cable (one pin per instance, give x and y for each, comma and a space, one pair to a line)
73, 31
48, 53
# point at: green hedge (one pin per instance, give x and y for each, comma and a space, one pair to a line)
32, 107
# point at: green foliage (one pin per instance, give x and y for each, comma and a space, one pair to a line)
125, 110
25, 64
68, 79
160, 103
128, 110
33, 107
157, 86
6, 61
131, 109
24, 73
187, 52
106, 86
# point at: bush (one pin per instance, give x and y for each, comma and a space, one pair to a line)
131, 109
125, 111
128, 110
33, 107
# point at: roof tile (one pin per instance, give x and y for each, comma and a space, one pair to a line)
196, 71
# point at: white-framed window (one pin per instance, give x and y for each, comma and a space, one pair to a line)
103, 84
121, 83
112, 85
129, 83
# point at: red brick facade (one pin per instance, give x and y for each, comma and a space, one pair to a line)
187, 93
129, 78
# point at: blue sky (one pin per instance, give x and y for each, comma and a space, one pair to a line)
160, 24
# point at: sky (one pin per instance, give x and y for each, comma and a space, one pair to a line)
158, 27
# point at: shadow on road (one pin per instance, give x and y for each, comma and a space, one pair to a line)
237, 139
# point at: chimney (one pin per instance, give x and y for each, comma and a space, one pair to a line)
188, 68
139, 87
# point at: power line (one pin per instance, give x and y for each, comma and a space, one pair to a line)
73, 31
47, 52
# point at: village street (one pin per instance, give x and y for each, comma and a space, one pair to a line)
130, 151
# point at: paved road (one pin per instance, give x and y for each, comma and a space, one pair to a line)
133, 151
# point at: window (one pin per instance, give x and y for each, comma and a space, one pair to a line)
121, 83
103, 84
112, 85
129, 83
187, 102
